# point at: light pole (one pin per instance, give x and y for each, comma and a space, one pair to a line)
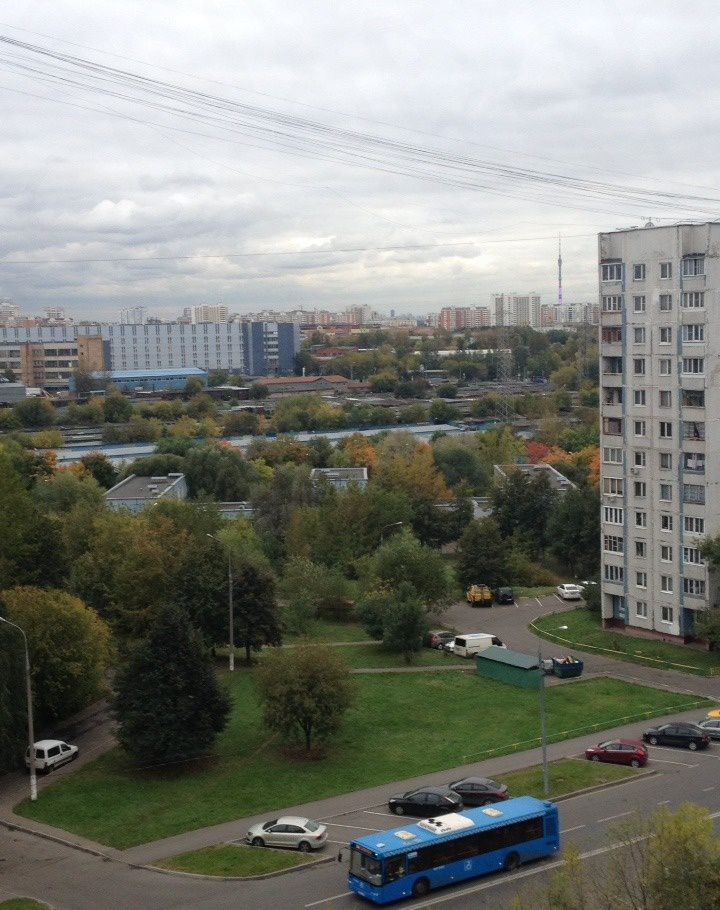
231, 615
28, 694
395, 524
543, 728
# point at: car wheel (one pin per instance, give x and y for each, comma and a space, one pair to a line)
653, 740
595, 758
634, 763
421, 887
258, 842
692, 745
398, 810
512, 861
304, 846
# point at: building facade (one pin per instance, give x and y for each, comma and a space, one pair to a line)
457, 318
660, 433
49, 364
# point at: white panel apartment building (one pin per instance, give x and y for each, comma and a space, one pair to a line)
660, 426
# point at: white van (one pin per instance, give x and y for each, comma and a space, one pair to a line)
473, 643
50, 754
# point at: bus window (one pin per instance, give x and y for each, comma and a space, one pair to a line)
366, 867
394, 869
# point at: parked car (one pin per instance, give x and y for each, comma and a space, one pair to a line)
426, 801
479, 791
619, 752
302, 834
438, 638
711, 725
504, 596
472, 643
677, 734
449, 646
569, 592
50, 754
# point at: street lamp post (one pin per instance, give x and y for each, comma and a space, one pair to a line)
28, 695
543, 728
395, 524
231, 615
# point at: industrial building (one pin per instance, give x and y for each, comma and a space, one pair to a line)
134, 493
147, 380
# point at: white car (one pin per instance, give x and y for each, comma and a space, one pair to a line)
50, 754
302, 834
569, 592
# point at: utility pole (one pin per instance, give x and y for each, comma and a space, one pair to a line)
543, 728
28, 695
231, 617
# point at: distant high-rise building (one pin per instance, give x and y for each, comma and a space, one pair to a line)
213, 313
135, 315
9, 311
457, 318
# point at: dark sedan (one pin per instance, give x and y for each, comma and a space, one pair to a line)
504, 596
426, 802
619, 752
679, 734
711, 726
479, 791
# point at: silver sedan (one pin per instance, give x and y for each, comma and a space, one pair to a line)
302, 834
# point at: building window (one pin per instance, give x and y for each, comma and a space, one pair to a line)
666, 492
665, 429
666, 270
639, 272
613, 486
665, 399
665, 303
694, 462
641, 609
612, 366
693, 266
641, 549
639, 335
692, 555
694, 587
641, 579
694, 492
693, 366
612, 426
665, 461
666, 553
694, 525
666, 584
665, 335
640, 459
639, 304
665, 366
612, 455
613, 544
694, 331
666, 523
641, 519
614, 573
639, 397
640, 488
639, 427
612, 515
693, 429
693, 300
611, 271
666, 614
612, 303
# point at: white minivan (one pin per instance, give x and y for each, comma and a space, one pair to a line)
473, 643
50, 754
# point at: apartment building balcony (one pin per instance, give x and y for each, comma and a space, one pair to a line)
612, 426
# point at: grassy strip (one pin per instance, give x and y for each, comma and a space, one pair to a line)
323, 631
22, 903
584, 631
235, 860
390, 734
377, 656
566, 776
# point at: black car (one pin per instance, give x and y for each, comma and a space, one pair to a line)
678, 734
504, 596
479, 791
426, 801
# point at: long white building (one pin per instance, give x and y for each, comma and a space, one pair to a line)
660, 424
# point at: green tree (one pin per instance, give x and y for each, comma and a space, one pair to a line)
218, 471
168, 702
305, 693
405, 624
69, 648
313, 591
84, 382
483, 555
194, 386
116, 408
259, 390
521, 505
402, 558
573, 531
707, 627
65, 490
101, 468
35, 412
256, 612
442, 412
217, 377
447, 390
13, 710
459, 463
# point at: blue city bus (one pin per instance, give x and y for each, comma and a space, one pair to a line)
417, 858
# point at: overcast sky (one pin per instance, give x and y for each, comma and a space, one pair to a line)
621, 92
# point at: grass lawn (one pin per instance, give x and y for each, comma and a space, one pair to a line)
235, 860
402, 725
22, 903
377, 656
323, 630
584, 629
565, 776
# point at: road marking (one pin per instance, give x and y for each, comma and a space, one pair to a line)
540, 603
576, 828
611, 817
707, 789
391, 815
342, 843
325, 900
663, 802
362, 827
666, 761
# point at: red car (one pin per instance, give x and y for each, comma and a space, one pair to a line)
619, 752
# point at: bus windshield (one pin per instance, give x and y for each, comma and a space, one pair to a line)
366, 867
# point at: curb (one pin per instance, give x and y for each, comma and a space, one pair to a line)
12, 826
611, 783
236, 878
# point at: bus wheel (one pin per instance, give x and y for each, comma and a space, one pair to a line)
421, 887
512, 861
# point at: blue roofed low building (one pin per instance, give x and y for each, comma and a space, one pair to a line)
135, 493
148, 380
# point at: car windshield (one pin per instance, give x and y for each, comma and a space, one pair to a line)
366, 867
311, 826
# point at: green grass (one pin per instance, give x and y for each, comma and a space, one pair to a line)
565, 776
377, 656
586, 633
22, 903
323, 631
235, 860
401, 726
